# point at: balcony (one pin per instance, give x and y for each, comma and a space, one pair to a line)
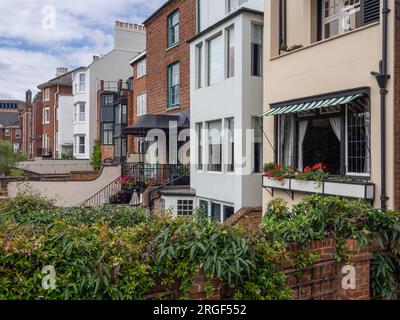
355, 189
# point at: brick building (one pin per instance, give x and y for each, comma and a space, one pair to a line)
51, 90
25, 118
161, 75
10, 128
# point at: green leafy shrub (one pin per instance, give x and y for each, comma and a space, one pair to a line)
8, 159
96, 156
317, 217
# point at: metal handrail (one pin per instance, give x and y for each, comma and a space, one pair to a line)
104, 195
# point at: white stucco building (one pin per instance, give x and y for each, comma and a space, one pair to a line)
65, 137
226, 100
129, 41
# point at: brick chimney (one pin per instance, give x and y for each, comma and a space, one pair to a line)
60, 71
28, 97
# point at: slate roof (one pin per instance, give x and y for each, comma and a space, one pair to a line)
63, 80
8, 119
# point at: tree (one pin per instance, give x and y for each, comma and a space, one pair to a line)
8, 159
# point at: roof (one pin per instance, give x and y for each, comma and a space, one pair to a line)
62, 80
9, 119
166, 4
158, 121
222, 21
177, 191
139, 57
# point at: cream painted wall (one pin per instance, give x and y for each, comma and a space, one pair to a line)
66, 193
340, 63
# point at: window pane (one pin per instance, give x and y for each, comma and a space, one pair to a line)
204, 206
215, 212
256, 50
228, 212
199, 65
231, 52
215, 60
199, 132
258, 143
231, 145
358, 137
215, 145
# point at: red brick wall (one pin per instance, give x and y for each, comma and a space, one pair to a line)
37, 116
397, 106
159, 56
51, 128
107, 152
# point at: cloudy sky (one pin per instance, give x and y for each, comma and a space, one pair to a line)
38, 36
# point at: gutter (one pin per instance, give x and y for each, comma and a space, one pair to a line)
382, 78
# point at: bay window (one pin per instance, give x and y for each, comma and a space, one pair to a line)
80, 144
80, 112
337, 136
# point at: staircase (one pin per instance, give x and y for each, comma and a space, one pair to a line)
145, 175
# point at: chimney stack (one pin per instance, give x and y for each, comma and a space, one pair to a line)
95, 58
28, 97
60, 71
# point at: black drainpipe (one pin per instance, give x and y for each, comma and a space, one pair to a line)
382, 78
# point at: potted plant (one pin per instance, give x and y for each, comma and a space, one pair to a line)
310, 180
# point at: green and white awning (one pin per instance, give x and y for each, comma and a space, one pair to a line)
312, 105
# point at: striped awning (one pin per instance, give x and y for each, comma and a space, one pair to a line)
312, 105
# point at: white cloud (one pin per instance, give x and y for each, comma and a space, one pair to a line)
29, 53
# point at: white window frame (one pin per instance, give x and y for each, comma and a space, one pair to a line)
339, 16
46, 115
230, 69
181, 211
141, 104
232, 5
141, 68
199, 65
220, 78
7, 132
78, 145
46, 94
18, 133
82, 84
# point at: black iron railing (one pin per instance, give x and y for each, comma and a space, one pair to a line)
104, 195
144, 175
160, 172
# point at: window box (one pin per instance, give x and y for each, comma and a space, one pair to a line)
350, 189
275, 184
347, 189
306, 186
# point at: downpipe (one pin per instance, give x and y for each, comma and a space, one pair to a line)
382, 79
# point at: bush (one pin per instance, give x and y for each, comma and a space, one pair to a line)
96, 156
118, 253
8, 159
317, 217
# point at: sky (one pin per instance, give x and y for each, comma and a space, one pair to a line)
37, 36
